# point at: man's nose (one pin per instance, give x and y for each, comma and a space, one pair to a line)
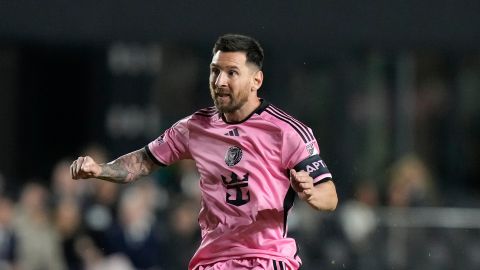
221, 80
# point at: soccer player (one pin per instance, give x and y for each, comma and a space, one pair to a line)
253, 159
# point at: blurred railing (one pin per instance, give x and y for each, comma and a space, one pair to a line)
430, 217
397, 238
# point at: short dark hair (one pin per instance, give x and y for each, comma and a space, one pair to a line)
236, 43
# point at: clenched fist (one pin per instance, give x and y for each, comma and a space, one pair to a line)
301, 182
84, 167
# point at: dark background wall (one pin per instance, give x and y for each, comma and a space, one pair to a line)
300, 25
58, 89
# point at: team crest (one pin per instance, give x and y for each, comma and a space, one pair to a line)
312, 150
233, 156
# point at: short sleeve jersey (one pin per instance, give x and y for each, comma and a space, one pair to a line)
244, 179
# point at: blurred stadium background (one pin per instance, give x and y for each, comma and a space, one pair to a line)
391, 88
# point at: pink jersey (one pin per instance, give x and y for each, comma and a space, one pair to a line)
244, 179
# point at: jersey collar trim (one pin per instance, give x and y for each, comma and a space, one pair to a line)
263, 105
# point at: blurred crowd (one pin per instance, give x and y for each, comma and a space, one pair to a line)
98, 225
152, 224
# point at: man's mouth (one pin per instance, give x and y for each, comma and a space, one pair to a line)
222, 95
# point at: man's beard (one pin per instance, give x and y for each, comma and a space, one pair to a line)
234, 104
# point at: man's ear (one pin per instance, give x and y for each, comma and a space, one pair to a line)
257, 80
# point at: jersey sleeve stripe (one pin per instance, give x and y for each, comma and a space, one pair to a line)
294, 119
205, 114
305, 128
209, 109
302, 125
153, 158
290, 122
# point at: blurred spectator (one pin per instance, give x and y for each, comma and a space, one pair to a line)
322, 243
136, 235
183, 233
100, 207
358, 220
357, 215
156, 197
94, 259
38, 242
100, 212
68, 223
8, 239
189, 179
411, 183
63, 186
96, 151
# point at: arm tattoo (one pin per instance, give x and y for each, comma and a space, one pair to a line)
128, 168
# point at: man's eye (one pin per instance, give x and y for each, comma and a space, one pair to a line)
232, 72
214, 71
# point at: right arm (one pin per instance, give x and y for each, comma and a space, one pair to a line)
125, 169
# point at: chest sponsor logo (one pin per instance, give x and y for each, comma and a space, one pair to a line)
237, 189
233, 156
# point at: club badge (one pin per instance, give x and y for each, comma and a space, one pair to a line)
311, 149
233, 156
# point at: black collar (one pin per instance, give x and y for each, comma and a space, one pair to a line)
263, 104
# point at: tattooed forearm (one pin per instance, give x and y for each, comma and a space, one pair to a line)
127, 168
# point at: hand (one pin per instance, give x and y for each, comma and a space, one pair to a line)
84, 168
302, 183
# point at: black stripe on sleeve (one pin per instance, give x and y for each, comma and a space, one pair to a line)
291, 123
153, 158
210, 114
274, 265
208, 109
207, 112
307, 131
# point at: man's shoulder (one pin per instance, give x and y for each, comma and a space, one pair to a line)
199, 116
286, 122
205, 114
208, 111
277, 111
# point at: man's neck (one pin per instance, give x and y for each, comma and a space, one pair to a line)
242, 113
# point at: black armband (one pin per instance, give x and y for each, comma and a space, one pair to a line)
314, 165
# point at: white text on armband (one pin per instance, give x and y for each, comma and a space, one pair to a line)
314, 165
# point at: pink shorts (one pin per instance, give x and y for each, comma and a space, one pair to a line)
246, 264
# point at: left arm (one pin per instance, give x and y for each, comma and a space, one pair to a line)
321, 197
